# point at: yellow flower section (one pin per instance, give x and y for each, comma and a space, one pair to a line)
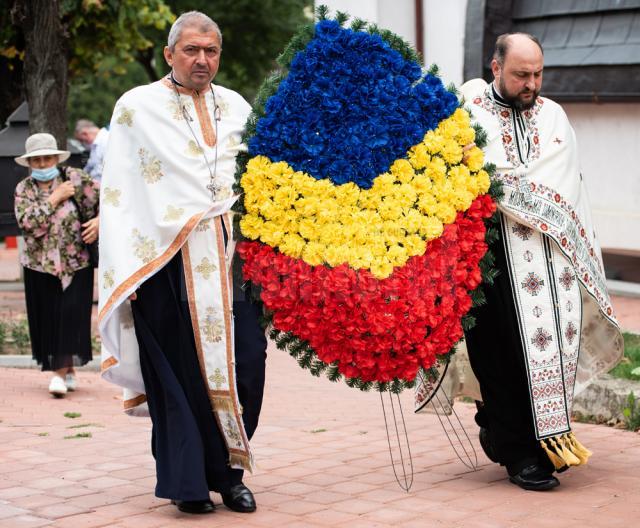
377, 228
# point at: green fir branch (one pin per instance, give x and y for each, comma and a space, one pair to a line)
318, 367
306, 359
358, 25
341, 18
297, 43
322, 12
481, 135
478, 297
468, 322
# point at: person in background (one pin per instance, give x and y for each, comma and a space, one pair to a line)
58, 278
95, 140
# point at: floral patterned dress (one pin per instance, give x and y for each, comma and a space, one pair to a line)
53, 241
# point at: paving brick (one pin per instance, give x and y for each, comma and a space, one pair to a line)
56, 511
7, 511
17, 492
25, 521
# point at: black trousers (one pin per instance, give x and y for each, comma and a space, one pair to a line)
498, 361
191, 456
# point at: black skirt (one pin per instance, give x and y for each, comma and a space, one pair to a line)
191, 456
59, 321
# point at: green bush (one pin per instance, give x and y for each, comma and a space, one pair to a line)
3, 333
629, 366
632, 413
20, 334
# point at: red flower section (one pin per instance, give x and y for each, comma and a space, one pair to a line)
377, 330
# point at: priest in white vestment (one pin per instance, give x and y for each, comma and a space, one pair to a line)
185, 345
548, 326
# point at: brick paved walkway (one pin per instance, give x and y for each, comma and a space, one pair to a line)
323, 461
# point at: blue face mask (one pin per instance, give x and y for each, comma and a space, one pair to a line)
45, 175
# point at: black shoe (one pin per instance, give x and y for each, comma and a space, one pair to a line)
534, 478
485, 443
239, 499
203, 506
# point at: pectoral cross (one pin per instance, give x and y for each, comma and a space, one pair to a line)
213, 189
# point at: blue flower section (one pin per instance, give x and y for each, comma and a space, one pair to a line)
349, 107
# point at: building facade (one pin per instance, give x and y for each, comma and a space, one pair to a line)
592, 68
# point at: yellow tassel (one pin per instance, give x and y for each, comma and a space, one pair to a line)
578, 449
557, 462
565, 454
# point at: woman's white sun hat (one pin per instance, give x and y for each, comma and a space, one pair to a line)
41, 144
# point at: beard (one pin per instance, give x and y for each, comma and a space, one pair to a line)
517, 100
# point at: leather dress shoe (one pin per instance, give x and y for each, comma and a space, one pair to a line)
203, 506
239, 499
534, 478
485, 443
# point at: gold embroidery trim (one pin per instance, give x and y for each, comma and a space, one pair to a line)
108, 363
200, 104
193, 310
134, 402
155, 264
226, 298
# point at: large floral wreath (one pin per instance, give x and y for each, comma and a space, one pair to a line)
362, 225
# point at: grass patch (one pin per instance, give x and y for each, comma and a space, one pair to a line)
629, 366
313, 431
78, 435
43, 434
72, 415
631, 412
80, 426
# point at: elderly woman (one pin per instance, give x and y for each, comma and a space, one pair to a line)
56, 208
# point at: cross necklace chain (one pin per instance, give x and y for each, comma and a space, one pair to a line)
213, 186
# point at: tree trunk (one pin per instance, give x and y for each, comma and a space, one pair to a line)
46, 65
11, 90
146, 58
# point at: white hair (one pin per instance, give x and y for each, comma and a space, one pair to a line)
81, 124
190, 19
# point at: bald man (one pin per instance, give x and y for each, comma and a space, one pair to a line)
547, 327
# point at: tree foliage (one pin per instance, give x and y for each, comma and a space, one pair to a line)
254, 32
92, 32
117, 44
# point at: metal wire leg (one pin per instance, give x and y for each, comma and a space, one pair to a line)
406, 460
470, 457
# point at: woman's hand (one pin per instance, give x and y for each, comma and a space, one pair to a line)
466, 149
90, 231
61, 193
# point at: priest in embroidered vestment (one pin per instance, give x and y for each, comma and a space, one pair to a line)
182, 341
548, 325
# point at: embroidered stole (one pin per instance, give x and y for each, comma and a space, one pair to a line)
548, 303
207, 270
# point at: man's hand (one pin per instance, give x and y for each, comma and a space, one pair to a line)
90, 231
61, 193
